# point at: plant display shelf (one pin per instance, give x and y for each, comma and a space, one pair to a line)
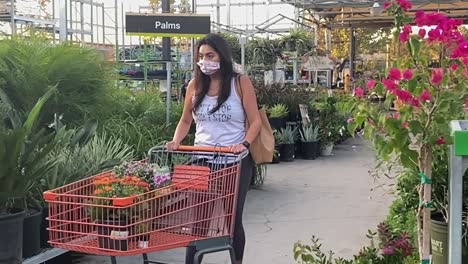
458, 165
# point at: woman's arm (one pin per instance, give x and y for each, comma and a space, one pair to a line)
185, 120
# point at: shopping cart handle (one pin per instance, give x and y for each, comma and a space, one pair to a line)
205, 149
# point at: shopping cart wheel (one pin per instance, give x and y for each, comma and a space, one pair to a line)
200, 253
146, 261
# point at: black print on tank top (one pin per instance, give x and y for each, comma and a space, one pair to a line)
222, 115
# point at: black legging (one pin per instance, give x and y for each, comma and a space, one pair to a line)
238, 242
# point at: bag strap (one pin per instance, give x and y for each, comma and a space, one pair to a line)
239, 89
239, 93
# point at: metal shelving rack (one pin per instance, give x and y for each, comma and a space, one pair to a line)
83, 21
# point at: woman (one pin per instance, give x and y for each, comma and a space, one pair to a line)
220, 115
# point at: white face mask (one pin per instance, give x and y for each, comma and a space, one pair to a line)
208, 67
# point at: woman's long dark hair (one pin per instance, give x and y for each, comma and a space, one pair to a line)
202, 80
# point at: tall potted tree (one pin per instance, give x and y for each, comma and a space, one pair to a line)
430, 97
23, 153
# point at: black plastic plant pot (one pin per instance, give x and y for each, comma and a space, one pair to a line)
299, 149
44, 233
277, 122
11, 237
32, 233
116, 235
287, 152
310, 150
440, 241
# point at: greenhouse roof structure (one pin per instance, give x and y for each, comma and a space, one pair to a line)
370, 13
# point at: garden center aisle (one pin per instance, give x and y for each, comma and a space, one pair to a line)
330, 197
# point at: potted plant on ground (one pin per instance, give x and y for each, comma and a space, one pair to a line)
310, 141
439, 217
287, 138
23, 152
330, 125
276, 153
277, 115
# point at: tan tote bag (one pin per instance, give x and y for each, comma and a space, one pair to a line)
263, 146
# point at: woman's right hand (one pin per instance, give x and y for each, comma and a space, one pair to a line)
172, 145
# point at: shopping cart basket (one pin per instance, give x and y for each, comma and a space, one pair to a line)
196, 209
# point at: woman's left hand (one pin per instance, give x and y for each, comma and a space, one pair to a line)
238, 148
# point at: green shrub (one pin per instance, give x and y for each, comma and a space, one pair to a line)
386, 247
29, 66
139, 119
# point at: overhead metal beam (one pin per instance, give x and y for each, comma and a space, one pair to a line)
242, 4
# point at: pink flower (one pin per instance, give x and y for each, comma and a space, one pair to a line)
387, 5
349, 120
388, 251
419, 18
407, 74
358, 92
403, 37
425, 96
370, 84
415, 102
461, 51
405, 5
434, 35
440, 141
422, 33
389, 84
403, 95
454, 66
405, 125
405, 33
436, 76
396, 115
370, 121
394, 74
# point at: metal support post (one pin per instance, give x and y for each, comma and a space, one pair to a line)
103, 25
295, 70
243, 41
92, 22
192, 41
228, 15
116, 6
352, 51
63, 20
123, 26
70, 9
82, 23
218, 20
458, 165
168, 92
166, 52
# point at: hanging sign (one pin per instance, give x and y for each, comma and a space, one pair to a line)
167, 25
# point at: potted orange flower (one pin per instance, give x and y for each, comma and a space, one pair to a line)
118, 192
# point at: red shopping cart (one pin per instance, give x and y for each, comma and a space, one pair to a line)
196, 209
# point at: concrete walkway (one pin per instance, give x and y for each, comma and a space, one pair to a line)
330, 197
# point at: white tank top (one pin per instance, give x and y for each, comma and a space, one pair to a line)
224, 127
